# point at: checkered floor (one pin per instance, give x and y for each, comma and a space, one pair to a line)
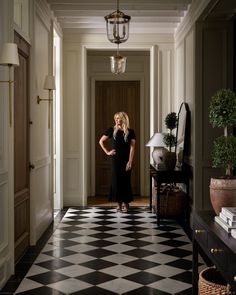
100, 251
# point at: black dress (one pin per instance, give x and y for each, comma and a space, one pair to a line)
121, 190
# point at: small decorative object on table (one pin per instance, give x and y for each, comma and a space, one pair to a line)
227, 218
223, 114
169, 139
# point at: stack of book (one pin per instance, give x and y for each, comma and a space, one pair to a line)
227, 219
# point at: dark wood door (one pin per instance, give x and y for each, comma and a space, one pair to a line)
112, 97
21, 150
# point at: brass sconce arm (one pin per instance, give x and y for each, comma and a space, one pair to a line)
49, 105
49, 84
40, 99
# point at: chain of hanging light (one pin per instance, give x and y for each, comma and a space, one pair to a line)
117, 26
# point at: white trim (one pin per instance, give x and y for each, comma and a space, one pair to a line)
22, 33
154, 89
44, 13
189, 20
82, 49
85, 124
3, 177
57, 27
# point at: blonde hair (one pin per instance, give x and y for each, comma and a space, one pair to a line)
125, 124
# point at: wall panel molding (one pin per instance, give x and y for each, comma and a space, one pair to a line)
214, 58
196, 9
3, 177
43, 12
40, 163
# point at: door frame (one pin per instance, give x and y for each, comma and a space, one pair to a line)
58, 120
153, 111
94, 145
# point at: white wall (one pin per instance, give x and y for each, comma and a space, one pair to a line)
76, 101
185, 92
185, 79
40, 37
41, 199
185, 83
6, 156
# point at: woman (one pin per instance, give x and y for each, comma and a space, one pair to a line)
122, 153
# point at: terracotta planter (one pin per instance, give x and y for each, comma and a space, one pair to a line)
222, 193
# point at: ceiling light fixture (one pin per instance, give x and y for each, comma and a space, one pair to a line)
117, 24
118, 62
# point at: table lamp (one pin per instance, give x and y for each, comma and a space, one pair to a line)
159, 150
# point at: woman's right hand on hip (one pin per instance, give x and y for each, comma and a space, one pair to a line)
111, 152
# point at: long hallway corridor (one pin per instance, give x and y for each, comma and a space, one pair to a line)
96, 250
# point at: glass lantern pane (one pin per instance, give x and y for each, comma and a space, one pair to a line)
118, 64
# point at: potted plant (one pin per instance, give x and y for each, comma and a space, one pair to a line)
169, 140
222, 114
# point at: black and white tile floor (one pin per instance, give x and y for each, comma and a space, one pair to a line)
97, 250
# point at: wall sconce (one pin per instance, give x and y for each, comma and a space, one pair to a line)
49, 84
10, 58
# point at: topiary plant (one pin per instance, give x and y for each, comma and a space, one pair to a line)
222, 113
171, 123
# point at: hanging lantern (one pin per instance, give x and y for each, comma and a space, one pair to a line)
118, 64
117, 24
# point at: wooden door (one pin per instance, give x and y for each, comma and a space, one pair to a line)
112, 97
21, 150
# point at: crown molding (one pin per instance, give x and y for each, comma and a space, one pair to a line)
195, 10
43, 11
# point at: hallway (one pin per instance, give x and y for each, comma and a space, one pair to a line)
95, 250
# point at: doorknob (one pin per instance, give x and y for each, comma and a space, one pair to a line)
31, 166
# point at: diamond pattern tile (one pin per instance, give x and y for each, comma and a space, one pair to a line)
95, 250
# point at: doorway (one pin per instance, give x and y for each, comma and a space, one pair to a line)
21, 150
111, 97
57, 126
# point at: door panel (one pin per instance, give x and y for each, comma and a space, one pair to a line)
21, 151
111, 97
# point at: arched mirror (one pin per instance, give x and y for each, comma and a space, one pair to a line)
182, 135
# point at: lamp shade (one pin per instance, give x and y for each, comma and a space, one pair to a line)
9, 54
49, 83
156, 140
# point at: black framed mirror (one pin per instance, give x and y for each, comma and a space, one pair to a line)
182, 145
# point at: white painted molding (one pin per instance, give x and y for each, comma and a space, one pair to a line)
42, 162
3, 277
189, 20
135, 40
4, 246
3, 177
71, 156
21, 33
57, 27
44, 12
154, 88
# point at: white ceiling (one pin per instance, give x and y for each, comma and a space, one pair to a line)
147, 16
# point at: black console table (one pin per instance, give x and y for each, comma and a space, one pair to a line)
166, 176
217, 244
